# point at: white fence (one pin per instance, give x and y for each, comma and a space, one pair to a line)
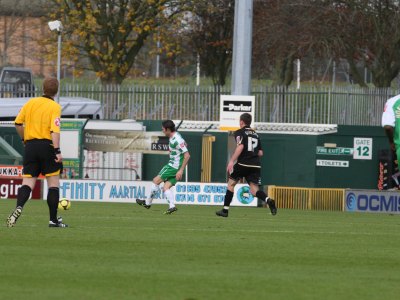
344, 106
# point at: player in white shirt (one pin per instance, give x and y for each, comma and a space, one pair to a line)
171, 172
391, 123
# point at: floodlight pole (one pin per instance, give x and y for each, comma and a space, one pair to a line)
59, 64
57, 25
242, 39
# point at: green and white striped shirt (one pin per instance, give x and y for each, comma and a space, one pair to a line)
177, 148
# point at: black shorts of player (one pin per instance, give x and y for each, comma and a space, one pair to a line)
40, 158
251, 174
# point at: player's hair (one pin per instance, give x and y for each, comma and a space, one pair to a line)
50, 86
169, 124
246, 118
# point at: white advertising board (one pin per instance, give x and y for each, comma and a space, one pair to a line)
127, 192
231, 107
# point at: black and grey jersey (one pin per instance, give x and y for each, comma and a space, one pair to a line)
251, 145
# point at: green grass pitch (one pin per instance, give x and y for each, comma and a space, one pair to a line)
123, 251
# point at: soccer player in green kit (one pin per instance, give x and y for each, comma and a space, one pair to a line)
391, 124
171, 172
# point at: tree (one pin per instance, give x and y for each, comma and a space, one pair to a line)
285, 30
211, 34
363, 32
110, 33
370, 34
172, 44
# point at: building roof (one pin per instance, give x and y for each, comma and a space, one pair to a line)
201, 126
32, 8
278, 128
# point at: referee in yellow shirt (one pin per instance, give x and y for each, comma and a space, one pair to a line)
38, 125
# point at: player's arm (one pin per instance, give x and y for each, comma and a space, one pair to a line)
389, 130
55, 133
186, 157
234, 157
260, 150
20, 130
55, 137
19, 123
388, 122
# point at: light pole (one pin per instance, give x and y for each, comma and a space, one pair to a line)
57, 25
242, 39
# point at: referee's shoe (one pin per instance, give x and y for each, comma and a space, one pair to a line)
59, 223
12, 219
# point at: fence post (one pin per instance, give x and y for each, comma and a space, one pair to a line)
309, 200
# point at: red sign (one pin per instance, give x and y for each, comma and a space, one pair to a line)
10, 171
9, 188
13, 171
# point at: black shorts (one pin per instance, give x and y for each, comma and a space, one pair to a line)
39, 158
251, 174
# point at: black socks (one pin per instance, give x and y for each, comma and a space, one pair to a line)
228, 199
23, 195
261, 195
53, 196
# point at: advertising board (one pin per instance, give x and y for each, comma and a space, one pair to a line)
9, 188
128, 191
231, 107
372, 201
11, 171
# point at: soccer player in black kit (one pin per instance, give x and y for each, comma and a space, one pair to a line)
247, 156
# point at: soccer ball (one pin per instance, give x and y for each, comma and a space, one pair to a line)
64, 204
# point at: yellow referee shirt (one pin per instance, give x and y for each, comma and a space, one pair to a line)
41, 116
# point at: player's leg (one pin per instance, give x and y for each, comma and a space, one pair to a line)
52, 170
234, 177
228, 198
395, 165
31, 169
24, 193
169, 194
168, 175
155, 188
254, 180
53, 197
25, 190
256, 192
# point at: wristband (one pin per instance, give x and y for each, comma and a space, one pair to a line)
57, 151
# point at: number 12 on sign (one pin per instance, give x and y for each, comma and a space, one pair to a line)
362, 148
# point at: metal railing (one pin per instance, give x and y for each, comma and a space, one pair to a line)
17, 90
107, 173
324, 105
307, 198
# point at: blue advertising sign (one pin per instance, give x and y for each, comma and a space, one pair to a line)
372, 201
128, 191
